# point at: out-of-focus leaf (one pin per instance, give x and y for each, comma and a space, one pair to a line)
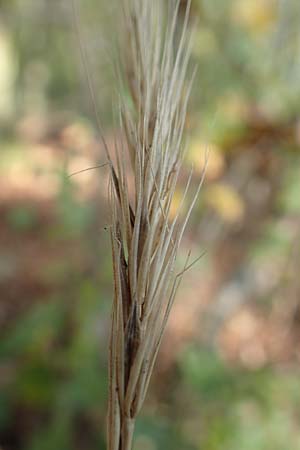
22, 218
226, 201
275, 242
34, 332
257, 16
75, 215
158, 434
36, 385
57, 436
199, 152
289, 200
6, 408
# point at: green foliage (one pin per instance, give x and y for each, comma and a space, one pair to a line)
34, 332
160, 434
22, 218
64, 376
239, 409
289, 198
75, 216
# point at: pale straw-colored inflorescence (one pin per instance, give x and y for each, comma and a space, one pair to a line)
145, 239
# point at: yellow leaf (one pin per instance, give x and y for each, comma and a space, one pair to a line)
225, 201
257, 15
197, 156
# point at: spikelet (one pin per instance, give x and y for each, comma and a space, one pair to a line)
145, 240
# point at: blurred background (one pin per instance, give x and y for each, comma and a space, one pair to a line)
227, 377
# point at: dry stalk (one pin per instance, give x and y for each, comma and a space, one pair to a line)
145, 240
